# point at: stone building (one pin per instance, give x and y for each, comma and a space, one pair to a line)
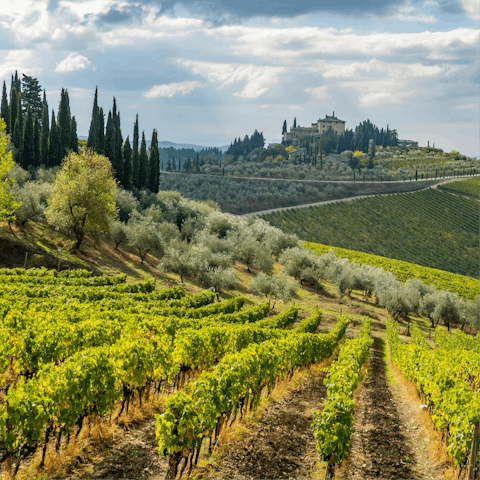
316, 130
410, 143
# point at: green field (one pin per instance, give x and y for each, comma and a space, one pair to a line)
431, 228
469, 187
466, 287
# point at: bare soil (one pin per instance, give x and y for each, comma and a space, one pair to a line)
389, 440
281, 445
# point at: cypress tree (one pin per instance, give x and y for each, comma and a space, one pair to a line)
143, 163
101, 132
13, 109
31, 95
110, 141
154, 164
73, 135
17, 84
18, 132
92, 141
45, 134
28, 141
4, 113
63, 122
295, 122
135, 165
36, 141
54, 145
127, 164
118, 141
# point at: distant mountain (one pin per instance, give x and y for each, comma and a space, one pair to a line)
165, 144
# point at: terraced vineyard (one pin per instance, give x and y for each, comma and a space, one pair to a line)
73, 348
470, 187
431, 228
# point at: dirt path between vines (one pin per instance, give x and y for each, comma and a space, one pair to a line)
281, 445
390, 440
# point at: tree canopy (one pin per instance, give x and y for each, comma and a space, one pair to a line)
8, 205
83, 198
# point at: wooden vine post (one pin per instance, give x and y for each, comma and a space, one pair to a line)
472, 475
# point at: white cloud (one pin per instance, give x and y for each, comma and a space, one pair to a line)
24, 61
430, 3
171, 89
258, 79
407, 13
380, 69
295, 107
318, 93
73, 62
273, 43
471, 9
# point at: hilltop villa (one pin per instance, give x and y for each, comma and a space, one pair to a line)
316, 130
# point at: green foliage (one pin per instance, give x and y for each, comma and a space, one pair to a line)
55, 153
83, 198
8, 205
144, 236
431, 228
45, 134
31, 90
143, 164
278, 287
135, 182
469, 187
33, 198
64, 123
333, 427
28, 142
4, 111
154, 164
443, 376
463, 286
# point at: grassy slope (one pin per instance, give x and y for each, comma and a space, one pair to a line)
432, 228
105, 259
464, 286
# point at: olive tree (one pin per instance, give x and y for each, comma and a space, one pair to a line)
83, 197
278, 287
178, 259
118, 232
144, 236
447, 308
33, 197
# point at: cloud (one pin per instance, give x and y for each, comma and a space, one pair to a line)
315, 42
258, 79
318, 93
471, 9
73, 62
171, 89
408, 13
24, 61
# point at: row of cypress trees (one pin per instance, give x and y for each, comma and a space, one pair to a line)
37, 141
134, 168
26, 115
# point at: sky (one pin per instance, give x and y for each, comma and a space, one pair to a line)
208, 71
